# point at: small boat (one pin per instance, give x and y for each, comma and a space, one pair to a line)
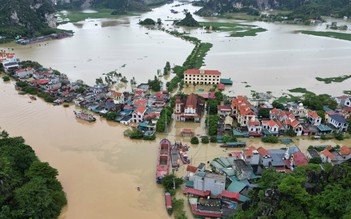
233, 144
184, 157
32, 97
162, 168
84, 115
168, 202
175, 156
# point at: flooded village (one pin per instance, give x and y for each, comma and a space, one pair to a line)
115, 137
214, 187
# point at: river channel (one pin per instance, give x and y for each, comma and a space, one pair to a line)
99, 168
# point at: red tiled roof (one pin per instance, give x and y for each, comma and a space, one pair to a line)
65, 92
190, 168
275, 111
42, 81
345, 150
178, 100
187, 131
327, 153
127, 107
254, 123
279, 124
347, 109
262, 151
252, 148
139, 92
116, 93
141, 109
197, 192
300, 159
249, 150
293, 123
221, 86
140, 102
206, 72
313, 114
343, 97
270, 123
231, 195
235, 154
191, 101
224, 108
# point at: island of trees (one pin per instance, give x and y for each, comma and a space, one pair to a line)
29, 188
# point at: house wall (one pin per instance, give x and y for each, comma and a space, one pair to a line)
205, 183
201, 79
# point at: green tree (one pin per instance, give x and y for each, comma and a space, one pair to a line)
212, 106
205, 140
194, 140
6, 78
263, 113
270, 139
171, 182
136, 134
315, 160
213, 139
277, 105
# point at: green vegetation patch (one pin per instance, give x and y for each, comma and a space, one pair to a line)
330, 34
300, 90
237, 30
338, 79
75, 16
250, 32
347, 92
29, 187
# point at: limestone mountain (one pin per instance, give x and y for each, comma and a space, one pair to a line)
26, 17
300, 8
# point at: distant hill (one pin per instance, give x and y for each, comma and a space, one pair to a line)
300, 8
120, 6
26, 17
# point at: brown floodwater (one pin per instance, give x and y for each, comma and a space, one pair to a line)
276, 60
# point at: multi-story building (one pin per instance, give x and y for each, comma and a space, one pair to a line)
206, 181
191, 109
241, 109
202, 76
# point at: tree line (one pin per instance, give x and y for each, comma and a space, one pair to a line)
29, 188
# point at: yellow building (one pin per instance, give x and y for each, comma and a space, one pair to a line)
201, 76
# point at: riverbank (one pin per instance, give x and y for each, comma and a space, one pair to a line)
329, 34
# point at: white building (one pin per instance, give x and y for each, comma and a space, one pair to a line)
201, 76
209, 181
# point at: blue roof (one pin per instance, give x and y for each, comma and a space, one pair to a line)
338, 118
286, 140
189, 184
243, 198
236, 186
325, 108
226, 81
324, 128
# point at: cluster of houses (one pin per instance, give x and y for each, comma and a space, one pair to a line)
138, 106
231, 178
294, 117
8, 60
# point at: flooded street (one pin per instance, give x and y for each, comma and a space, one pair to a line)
99, 168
